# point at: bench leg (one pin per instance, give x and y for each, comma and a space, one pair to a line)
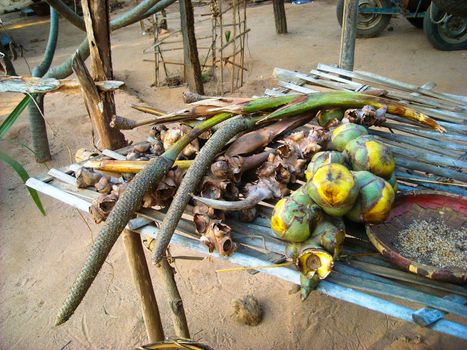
143, 284
167, 280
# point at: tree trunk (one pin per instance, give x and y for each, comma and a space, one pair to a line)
279, 16
190, 51
96, 19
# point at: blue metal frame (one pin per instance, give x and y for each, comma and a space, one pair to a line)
396, 9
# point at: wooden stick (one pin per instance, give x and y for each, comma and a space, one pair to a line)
166, 277
279, 16
349, 31
101, 106
142, 281
190, 52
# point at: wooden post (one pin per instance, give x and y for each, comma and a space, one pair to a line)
96, 19
279, 16
166, 277
349, 31
190, 50
142, 281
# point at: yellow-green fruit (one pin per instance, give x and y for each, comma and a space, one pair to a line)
345, 133
334, 189
313, 261
295, 217
375, 200
393, 182
328, 115
331, 234
365, 153
323, 158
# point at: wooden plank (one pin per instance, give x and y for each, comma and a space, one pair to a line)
427, 316
56, 193
62, 176
394, 290
390, 272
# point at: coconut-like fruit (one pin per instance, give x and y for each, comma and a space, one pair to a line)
323, 158
295, 217
334, 189
329, 117
345, 133
366, 153
374, 201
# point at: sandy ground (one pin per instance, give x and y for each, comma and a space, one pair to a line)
40, 256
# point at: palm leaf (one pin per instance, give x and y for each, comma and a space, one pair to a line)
11, 119
23, 174
6, 125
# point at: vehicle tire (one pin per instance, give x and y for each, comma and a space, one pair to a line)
368, 25
445, 32
417, 22
453, 7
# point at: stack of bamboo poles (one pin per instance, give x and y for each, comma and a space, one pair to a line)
221, 32
424, 158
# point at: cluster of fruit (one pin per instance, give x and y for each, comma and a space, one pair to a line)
353, 179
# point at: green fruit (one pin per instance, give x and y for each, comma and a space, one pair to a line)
334, 189
331, 234
307, 285
345, 133
295, 217
323, 158
326, 116
366, 153
374, 201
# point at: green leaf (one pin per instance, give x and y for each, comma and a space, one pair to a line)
24, 176
227, 34
10, 120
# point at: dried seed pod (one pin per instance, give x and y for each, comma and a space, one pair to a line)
86, 177
375, 200
217, 237
334, 189
142, 147
323, 158
221, 169
345, 133
83, 154
170, 136
149, 200
248, 215
118, 190
132, 155
247, 310
103, 185
366, 116
102, 206
167, 187
157, 147
157, 130
294, 218
366, 153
